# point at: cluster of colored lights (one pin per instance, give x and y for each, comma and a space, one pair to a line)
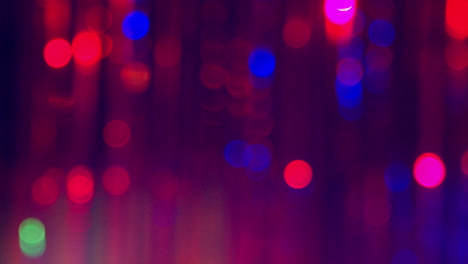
349, 74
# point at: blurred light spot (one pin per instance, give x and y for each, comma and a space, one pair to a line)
239, 86
298, 174
381, 33
116, 133
45, 190
213, 76
429, 170
351, 113
456, 55
116, 180
259, 157
349, 96
378, 58
377, 211
80, 185
236, 154
397, 177
135, 25
340, 11
135, 76
351, 48
456, 20
98, 19
405, 257
296, 34
349, 71
167, 52
57, 53
32, 237
86, 48
464, 163
262, 63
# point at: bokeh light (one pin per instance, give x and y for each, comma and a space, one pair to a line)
349, 71
32, 237
296, 34
213, 76
116, 180
86, 48
397, 177
236, 153
45, 190
298, 174
262, 63
381, 33
80, 185
405, 256
135, 76
464, 163
340, 11
259, 157
135, 25
348, 96
116, 133
167, 52
456, 20
429, 170
57, 53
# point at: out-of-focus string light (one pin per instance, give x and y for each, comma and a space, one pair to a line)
116, 180
260, 157
429, 170
456, 20
340, 11
349, 71
296, 34
135, 76
298, 174
464, 163
80, 185
32, 237
86, 48
135, 25
262, 63
45, 190
57, 53
116, 133
349, 96
213, 76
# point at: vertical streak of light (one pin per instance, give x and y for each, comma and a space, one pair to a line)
430, 131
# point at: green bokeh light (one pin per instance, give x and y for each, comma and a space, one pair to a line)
32, 237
